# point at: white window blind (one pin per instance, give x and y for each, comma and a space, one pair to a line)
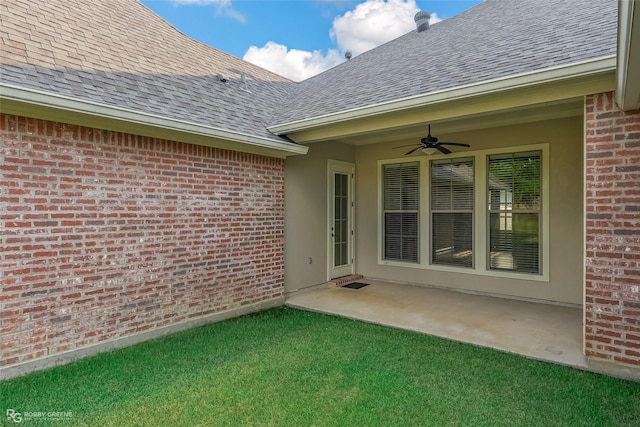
515, 212
401, 201
452, 190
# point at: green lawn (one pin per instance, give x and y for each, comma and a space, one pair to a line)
285, 367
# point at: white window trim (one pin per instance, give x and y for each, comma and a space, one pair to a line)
481, 230
380, 233
347, 168
474, 226
421, 205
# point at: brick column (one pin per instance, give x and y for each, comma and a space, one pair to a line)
612, 276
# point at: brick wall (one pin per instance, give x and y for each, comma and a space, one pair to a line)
106, 235
612, 304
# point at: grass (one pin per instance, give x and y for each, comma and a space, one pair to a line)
285, 367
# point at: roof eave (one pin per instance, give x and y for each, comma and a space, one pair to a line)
628, 58
39, 104
550, 75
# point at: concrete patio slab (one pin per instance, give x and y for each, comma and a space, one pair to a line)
540, 331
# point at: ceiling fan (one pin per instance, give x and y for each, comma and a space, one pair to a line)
430, 145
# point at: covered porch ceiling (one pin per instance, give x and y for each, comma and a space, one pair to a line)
414, 132
521, 100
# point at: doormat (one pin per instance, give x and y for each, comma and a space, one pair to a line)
343, 280
355, 285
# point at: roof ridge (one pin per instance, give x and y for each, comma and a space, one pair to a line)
205, 45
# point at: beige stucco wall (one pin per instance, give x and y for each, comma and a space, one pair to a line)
565, 141
306, 213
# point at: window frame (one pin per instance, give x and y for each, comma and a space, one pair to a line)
513, 211
480, 221
454, 210
383, 212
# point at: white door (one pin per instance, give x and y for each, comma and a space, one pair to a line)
341, 218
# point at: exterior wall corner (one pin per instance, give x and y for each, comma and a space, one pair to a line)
612, 231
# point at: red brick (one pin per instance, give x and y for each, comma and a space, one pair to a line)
613, 221
95, 231
632, 353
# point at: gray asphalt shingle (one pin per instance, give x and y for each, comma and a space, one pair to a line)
495, 39
120, 53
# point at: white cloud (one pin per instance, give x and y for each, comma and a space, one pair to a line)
294, 64
223, 7
375, 22
370, 24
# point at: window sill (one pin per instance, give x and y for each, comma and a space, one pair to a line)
472, 271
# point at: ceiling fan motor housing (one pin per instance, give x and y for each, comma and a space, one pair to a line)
430, 144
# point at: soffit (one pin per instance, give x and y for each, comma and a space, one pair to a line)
532, 113
57, 109
557, 99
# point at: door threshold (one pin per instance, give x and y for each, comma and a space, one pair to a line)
343, 280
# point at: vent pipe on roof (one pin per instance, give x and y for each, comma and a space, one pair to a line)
243, 81
422, 20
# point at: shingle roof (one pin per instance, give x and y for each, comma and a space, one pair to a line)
495, 39
121, 54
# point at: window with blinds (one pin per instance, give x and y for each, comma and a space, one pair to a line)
452, 190
515, 212
400, 211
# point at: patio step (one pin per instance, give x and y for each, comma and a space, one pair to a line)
341, 281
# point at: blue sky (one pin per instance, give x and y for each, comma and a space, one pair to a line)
299, 38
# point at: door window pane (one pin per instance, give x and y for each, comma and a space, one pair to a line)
341, 220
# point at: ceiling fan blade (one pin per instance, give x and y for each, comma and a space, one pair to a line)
442, 149
409, 145
458, 144
409, 152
